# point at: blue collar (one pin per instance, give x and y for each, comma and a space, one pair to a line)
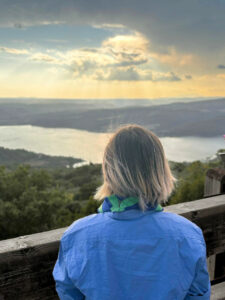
130, 214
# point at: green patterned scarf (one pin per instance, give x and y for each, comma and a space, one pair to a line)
115, 203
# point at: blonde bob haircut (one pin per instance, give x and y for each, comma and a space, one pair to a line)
134, 165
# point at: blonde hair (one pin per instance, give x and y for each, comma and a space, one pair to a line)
134, 164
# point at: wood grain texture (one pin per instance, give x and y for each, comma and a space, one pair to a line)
218, 291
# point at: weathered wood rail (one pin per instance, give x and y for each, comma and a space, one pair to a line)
26, 262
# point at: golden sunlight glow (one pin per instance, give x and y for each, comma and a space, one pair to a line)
42, 86
124, 66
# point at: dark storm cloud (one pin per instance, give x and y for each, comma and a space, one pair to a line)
129, 63
221, 66
190, 25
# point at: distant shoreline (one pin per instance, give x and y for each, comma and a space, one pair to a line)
200, 119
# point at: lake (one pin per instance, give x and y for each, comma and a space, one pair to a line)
89, 146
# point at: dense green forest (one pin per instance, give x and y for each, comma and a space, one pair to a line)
36, 199
12, 158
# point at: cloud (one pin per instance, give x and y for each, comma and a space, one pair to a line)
120, 58
42, 57
91, 50
127, 50
170, 76
129, 74
13, 51
109, 26
18, 26
135, 41
133, 74
119, 51
188, 76
83, 69
221, 66
181, 24
56, 41
130, 63
114, 60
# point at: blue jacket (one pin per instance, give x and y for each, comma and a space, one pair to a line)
132, 255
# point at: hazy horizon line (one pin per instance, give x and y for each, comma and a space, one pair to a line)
108, 99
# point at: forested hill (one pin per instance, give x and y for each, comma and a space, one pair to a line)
200, 118
34, 200
12, 158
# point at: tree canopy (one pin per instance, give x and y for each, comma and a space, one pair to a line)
34, 200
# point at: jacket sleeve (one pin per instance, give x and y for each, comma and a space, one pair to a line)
64, 286
200, 288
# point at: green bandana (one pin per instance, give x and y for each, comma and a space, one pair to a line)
115, 203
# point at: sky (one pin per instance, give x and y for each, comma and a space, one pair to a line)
112, 49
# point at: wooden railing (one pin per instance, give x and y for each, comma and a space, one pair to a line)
26, 262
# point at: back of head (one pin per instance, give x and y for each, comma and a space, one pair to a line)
134, 164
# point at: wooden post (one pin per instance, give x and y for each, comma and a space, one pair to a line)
211, 263
214, 185
214, 182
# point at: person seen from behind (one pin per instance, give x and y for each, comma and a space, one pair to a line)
131, 249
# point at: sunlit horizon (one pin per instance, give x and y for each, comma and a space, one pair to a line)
107, 52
